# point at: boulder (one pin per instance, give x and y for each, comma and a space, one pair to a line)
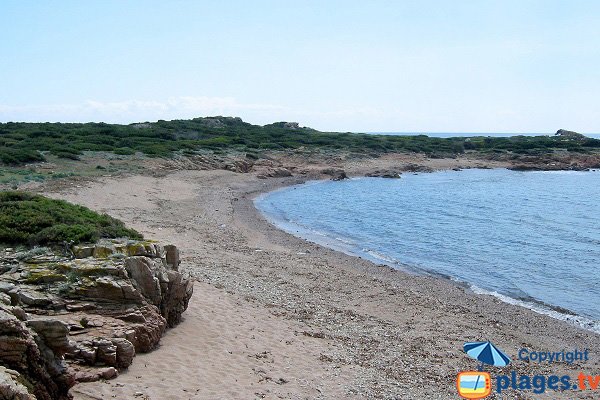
336, 174
172, 257
384, 173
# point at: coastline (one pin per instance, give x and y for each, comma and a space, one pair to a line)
355, 329
341, 244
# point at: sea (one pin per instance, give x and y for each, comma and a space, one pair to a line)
528, 238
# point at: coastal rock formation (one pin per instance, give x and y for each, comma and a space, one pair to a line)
557, 162
336, 174
570, 134
384, 173
83, 315
275, 172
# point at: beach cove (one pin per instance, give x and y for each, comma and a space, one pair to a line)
274, 316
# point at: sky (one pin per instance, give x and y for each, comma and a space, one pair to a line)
369, 66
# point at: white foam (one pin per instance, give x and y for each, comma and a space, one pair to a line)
583, 322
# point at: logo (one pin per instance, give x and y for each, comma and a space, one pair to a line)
474, 385
478, 384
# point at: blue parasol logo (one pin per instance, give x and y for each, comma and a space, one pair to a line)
477, 385
486, 353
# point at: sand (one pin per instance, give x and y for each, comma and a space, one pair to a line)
276, 317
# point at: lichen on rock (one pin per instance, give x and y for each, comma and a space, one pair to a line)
84, 316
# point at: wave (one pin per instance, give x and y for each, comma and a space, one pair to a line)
310, 220
543, 308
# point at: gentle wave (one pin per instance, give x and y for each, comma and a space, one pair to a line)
528, 238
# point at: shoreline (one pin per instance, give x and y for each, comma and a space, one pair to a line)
338, 244
355, 329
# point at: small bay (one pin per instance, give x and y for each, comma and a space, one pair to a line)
531, 238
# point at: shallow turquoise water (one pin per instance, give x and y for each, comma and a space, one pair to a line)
531, 238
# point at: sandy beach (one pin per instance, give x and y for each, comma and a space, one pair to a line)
276, 317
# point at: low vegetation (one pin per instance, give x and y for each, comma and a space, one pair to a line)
22, 143
29, 219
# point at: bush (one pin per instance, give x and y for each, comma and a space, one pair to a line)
30, 219
21, 143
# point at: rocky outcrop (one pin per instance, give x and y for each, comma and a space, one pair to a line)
557, 162
275, 172
84, 315
336, 174
384, 173
31, 354
570, 134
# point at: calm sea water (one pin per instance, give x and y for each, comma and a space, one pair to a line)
530, 238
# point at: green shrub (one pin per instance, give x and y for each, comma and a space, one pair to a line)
31, 219
21, 143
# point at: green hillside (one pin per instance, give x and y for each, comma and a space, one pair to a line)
28, 142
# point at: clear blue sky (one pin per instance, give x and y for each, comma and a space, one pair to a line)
438, 66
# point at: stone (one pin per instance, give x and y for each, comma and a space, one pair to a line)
19, 313
125, 352
5, 299
30, 355
142, 271
108, 373
53, 332
384, 173
172, 256
106, 308
104, 249
337, 174
11, 388
83, 251
106, 352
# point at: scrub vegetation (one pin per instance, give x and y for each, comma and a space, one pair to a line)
22, 143
29, 219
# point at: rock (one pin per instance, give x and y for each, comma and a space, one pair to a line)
172, 256
384, 173
6, 287
11, 388
416, 168
5, 299
19, 313
104, 249
125, 352
337, 174
54, 333
83, 251
94, 375
242, 166
30, 356
570, 135
106, 351
32, 298
108, 373
142, 270
114, 299
276, 172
